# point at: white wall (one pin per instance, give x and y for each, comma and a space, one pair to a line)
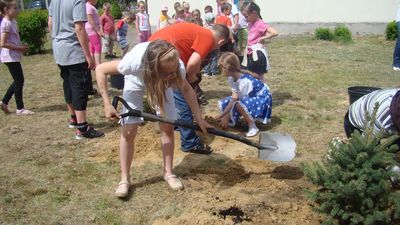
304, 11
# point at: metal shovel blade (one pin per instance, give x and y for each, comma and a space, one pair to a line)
285, 147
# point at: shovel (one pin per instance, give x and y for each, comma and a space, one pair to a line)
271, 146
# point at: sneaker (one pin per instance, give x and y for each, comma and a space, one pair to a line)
23, 112
4, 107
395, 68
90, 133
174, 182
72, 123
93, 91
253, 131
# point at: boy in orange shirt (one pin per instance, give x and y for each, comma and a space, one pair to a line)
225, 19
193, 43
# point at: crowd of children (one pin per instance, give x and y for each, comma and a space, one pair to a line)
165, 66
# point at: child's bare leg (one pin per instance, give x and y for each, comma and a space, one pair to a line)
244, 114
97, 58
126, 149
167, 141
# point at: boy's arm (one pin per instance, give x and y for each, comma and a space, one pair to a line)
148, 22
83, 41
193, 67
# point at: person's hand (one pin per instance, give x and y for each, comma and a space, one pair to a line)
224, 121
110, 112
203, 125
24, 48
91, 63
100, 33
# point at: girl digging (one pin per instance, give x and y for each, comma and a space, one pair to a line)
11, 54
255, 56
153, 67
143, 27
250, 98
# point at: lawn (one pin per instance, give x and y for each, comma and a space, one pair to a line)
47, 177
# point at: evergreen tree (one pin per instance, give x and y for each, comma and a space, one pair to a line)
355, 180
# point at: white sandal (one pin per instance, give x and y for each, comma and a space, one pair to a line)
174, 182
122, 190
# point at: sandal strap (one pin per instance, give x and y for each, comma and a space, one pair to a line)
169, 177
123, 182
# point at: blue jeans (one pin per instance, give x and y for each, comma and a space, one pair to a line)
212, 67
396, 54
189, 139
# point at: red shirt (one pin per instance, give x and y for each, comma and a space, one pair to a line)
107, 23
187, 38
224, 20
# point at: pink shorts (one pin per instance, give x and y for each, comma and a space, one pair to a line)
145, 36
94, 44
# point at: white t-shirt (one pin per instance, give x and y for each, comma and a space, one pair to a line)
131, 67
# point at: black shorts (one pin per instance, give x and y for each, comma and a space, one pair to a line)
259, 66
77, 84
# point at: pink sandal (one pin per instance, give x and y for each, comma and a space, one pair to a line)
122, 190
174, 182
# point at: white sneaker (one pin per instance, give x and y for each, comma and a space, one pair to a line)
22, 112
395, 68
253, 131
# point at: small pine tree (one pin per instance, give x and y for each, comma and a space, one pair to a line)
355, 181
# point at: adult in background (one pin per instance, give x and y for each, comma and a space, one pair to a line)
71, 52
396, 54
193, 43
387, 115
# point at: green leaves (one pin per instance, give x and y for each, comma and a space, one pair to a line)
32, 26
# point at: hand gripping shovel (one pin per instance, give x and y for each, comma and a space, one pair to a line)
271, 146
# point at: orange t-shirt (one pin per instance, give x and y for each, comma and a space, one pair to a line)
224, 20
187, 38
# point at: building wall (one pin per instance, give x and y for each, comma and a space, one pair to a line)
302, 12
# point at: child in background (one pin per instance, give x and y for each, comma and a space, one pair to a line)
153, 68
142, 23
224, 18
108, 29
186, 8
211, 68
164, 19
122, 30
11, 54
258, 31
196, 16
208, 9
250, 98
179, 15
176, 5
94, 31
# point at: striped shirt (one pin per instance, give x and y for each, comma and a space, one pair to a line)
366, 104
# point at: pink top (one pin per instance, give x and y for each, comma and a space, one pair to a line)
257, 30
91, 10
107, 22
8, 55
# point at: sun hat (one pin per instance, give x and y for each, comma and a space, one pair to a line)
164, 8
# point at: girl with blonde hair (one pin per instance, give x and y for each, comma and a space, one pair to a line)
154, 68
250, 97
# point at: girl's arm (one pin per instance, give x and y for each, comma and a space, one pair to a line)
191, 99
270, 33
137, 25
83, 41
229, 106
102, 70
148, 22
5, 44
93, 24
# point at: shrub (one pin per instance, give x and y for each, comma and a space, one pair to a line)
323, 34
342, 34
355, 182
391, 31
116, 11
32, 26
